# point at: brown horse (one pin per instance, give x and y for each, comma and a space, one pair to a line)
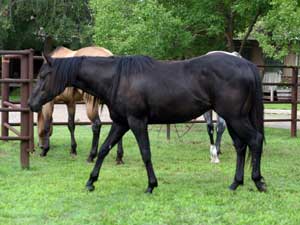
70, 96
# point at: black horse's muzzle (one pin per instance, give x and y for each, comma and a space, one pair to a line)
34, 107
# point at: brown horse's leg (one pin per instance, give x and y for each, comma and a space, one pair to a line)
46, 126
71, 125
93, 115
41, 128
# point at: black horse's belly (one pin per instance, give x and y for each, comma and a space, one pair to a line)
176, 113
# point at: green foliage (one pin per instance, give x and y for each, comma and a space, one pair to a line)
165, 29
30, 21
139, 27
214, 24
279, 31
5, 24
191, 189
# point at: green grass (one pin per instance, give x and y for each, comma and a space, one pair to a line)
280, 106
191, 189
14, 95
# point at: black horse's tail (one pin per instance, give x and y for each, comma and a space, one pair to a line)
257, 111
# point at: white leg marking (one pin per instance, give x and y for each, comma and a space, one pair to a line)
214, 155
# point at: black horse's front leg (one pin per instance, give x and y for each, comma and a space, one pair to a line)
115, 134
96, 128
140, 130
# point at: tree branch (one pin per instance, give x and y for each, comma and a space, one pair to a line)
250, 28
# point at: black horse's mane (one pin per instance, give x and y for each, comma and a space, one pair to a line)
65, 71
129, 65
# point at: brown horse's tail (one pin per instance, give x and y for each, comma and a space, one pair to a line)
257, 111
94, 100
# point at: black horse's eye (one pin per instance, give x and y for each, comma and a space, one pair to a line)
44, 74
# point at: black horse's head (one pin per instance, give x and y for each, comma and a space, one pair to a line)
43, 91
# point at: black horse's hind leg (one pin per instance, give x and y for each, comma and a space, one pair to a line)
140, 131
47, 130
120, 153
240, 160
256, 151
210, 131
220, 130
210, 126
96, 128
71, 125
115, 134
250, 136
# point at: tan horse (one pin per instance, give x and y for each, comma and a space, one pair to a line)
70, 96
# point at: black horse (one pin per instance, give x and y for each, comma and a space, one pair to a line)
139, 90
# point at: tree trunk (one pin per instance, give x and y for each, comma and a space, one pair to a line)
250, 28
229, 31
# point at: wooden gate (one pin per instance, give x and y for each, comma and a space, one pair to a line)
25, 135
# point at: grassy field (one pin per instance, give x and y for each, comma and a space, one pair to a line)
280, 106
191, 189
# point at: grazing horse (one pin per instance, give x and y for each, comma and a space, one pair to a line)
139, 90
70, 96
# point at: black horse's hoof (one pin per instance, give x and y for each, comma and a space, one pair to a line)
73, 154
90, 159
150, 187
90, 187
149, 190
235, 185
261, 186
43, 154
119, 161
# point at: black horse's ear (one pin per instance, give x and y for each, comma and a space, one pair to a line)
47, 59
48, 45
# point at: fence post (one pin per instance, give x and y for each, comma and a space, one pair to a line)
294, 102
31, 122
5, 96
168, 132
25, 118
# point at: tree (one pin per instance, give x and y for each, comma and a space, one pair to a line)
4, 23
67, 21
279, 31
139, 27
215, 24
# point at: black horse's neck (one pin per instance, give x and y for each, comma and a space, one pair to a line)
101, 76
96, 76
